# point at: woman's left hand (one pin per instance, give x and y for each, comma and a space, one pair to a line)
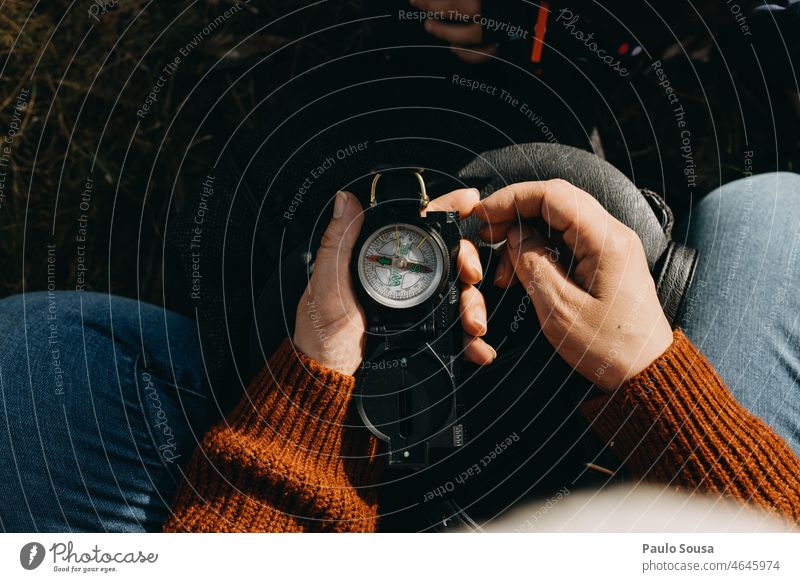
330, 324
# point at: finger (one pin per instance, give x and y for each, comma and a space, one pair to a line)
473, 311
468, 263
495, 233
582, 219
504, 274
333, 258
467, 8
462, 200
544, 278
475, 55
477, 351
460, 34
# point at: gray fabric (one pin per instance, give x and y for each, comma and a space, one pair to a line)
543, 161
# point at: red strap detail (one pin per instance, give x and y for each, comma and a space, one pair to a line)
541, 29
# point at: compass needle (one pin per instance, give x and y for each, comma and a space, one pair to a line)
399, 269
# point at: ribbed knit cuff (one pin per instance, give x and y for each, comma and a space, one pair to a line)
677, 422
303, 408
287, 458
656, 410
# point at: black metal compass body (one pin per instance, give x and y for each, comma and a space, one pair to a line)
407, 281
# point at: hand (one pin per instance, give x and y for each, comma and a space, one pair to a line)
330, 324
602, 315
465, 38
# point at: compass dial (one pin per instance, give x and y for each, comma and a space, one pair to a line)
400, 265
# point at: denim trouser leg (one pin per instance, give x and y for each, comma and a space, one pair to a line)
743, 307
101, 400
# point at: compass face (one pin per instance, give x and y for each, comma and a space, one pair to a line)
400, 265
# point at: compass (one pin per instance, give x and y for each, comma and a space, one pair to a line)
405, 274
401, 265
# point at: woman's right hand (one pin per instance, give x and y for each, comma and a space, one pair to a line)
601, 312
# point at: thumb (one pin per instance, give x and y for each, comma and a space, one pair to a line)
332, 265
537, 267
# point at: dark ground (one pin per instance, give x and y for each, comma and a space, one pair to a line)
84, 79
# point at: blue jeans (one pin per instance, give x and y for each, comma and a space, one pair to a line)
743, 306
103, 399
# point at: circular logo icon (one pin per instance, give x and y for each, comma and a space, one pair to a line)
31, 555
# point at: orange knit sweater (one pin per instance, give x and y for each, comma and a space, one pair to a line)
291, 457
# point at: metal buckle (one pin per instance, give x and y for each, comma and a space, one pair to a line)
423, 194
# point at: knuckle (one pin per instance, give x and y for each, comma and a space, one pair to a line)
331, 239
632, 240
559, 184
622, 241
530, 267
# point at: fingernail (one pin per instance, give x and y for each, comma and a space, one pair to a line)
494, 353
517, 235
475, 192
340, 204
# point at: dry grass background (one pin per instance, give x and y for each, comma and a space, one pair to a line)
87, 79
